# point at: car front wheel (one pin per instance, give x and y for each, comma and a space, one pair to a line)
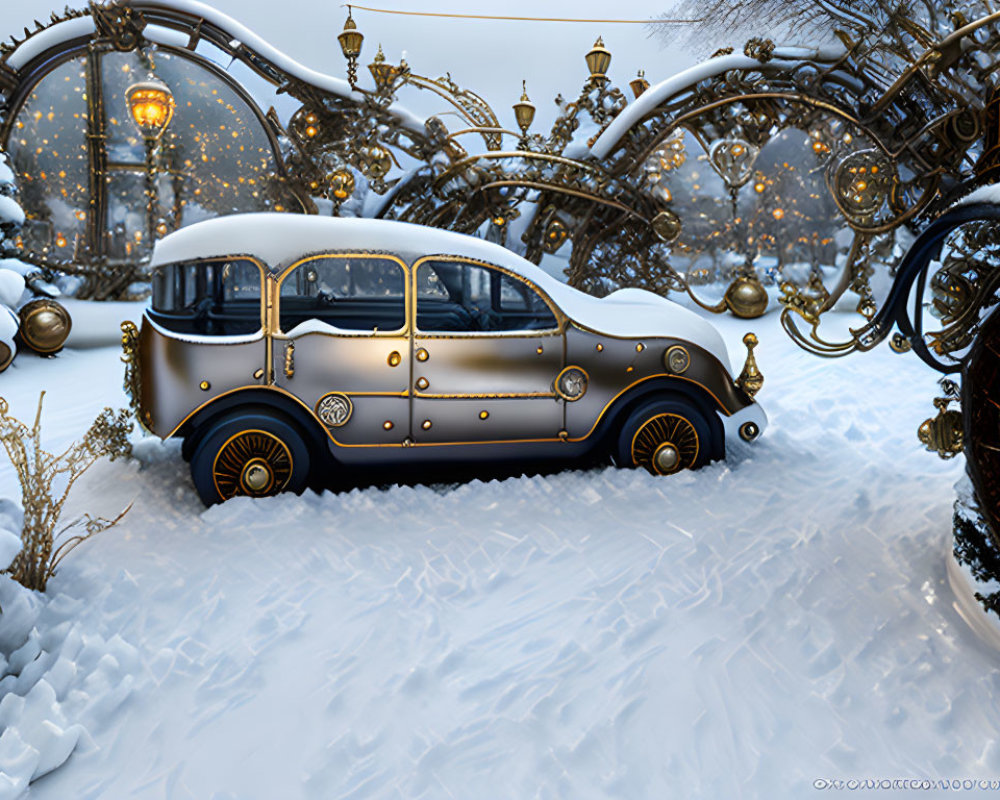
250, 453
665, 437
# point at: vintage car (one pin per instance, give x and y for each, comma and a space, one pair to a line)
283, 348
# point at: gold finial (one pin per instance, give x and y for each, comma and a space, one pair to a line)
750, 379
379, 56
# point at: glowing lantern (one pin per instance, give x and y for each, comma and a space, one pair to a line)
350, 38
152, 107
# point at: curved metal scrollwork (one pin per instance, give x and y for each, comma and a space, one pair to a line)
779, 175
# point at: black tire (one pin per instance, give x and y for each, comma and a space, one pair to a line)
668, 436
188, 444
255, 452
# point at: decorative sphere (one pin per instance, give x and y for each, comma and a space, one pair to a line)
44, 325
746, 298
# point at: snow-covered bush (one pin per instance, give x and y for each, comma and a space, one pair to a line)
46, 480
12, 270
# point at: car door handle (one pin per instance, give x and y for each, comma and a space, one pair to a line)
290, 360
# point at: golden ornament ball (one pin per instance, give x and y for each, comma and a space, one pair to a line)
746, 298
45, 324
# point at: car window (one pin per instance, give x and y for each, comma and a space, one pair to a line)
219, 297
455, 296
356, 293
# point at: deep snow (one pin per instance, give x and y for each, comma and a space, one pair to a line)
740, 631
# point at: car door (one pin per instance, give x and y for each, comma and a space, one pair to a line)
342, 345
487, 348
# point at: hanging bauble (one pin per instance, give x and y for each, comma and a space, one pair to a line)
862, 181
733, 159
667, 226
555, 234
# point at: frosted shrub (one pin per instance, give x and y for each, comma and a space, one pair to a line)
46, 480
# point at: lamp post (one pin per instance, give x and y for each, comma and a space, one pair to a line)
151, 105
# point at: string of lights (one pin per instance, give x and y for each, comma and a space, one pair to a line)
501, 18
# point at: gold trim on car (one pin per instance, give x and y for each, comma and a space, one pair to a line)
632, 385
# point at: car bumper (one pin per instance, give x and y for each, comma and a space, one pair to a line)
746, 425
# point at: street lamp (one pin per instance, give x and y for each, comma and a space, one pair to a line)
151, 105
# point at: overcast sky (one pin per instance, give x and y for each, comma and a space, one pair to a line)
490, 58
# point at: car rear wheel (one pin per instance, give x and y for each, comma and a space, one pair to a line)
252, 453
665, 437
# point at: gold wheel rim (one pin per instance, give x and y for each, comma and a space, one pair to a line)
254, 463
659, 438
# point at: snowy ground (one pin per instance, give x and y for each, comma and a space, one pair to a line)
743, 631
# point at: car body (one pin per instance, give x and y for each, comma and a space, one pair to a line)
284, 346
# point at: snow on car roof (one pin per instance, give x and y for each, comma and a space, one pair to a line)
280, 239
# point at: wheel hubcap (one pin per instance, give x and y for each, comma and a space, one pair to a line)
255, 463
257, 476
666, 458
665, 444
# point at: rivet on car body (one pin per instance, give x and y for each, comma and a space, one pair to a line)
629, 368
387, 425
540, 350
204, 386
422, 383
426, 425
259, 374
640, 347
422, 355
564, 435
484, 415
394, 359
600, 347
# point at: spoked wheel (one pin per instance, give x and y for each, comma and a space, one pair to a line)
254, 463
665, 444
251, 454
668, 436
